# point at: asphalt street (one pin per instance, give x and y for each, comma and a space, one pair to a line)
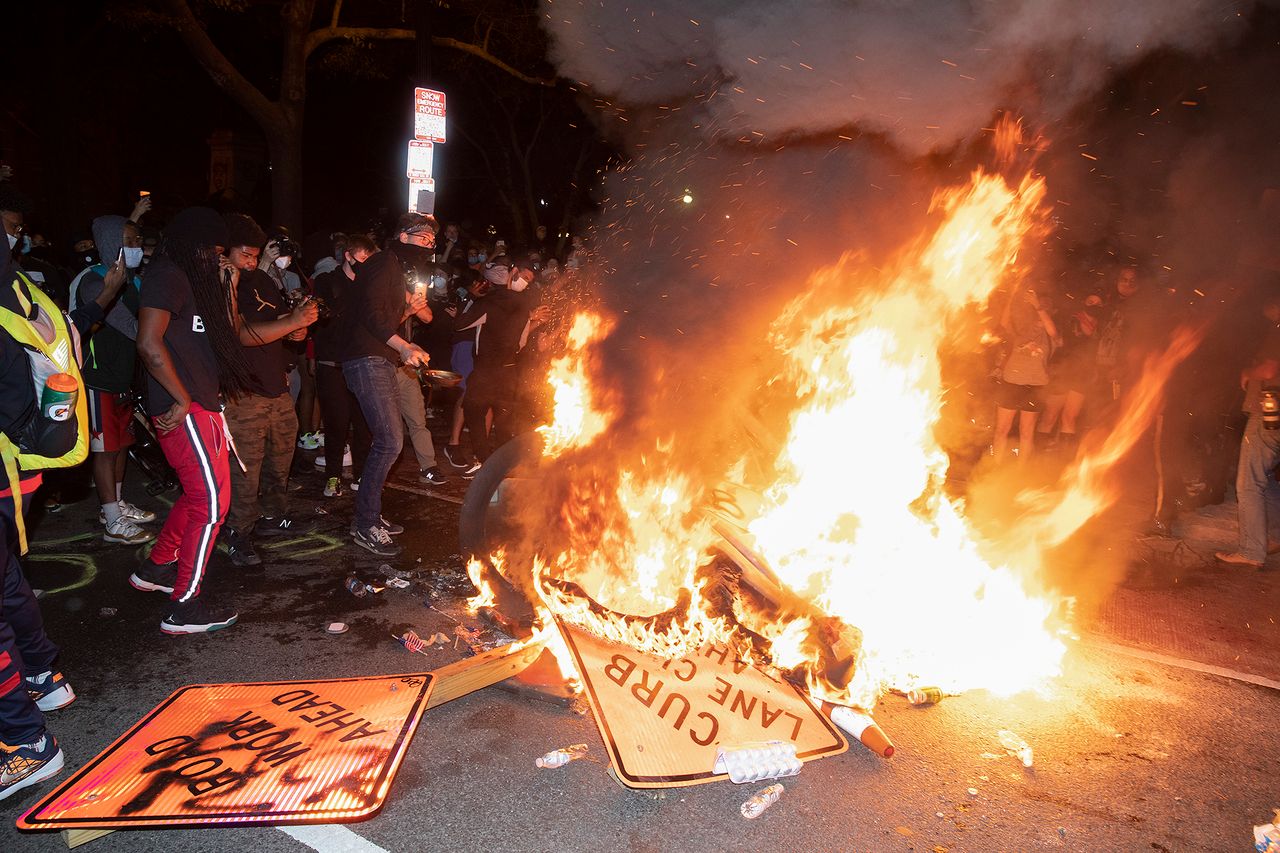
1129, 754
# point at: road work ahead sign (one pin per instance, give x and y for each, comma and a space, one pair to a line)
276, 752
662, 720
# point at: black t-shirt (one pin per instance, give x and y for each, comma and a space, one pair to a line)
331, 287
260, 300
166, 288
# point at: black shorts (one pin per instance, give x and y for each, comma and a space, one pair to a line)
1020, 398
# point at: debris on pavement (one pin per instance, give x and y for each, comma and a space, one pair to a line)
411, 641
397, 583
107, 611
1015, 745
754, 762
359, 588
561, 757
864, 728
1266, 838
764, 798
337, 628
973, 792
925, 696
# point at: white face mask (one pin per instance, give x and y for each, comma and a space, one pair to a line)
518, 284
13, 241
283, 263
132, 257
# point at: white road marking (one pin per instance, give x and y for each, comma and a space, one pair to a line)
330, 838
1183, 663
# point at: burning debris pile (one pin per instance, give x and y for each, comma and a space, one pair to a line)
835, 556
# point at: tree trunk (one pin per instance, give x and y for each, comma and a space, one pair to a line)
285, 147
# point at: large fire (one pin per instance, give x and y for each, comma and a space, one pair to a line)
869, 576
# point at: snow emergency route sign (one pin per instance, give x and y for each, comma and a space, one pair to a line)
267, 753
662, 720
428, 115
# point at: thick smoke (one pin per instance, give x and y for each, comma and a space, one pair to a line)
927, 74
802, 131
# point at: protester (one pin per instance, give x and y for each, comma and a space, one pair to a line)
1259, 446
1031, 334
338, 406
373, 352
110, 359
190, 346
32, 331
262, 420
463, 304
510, 314
1072, 376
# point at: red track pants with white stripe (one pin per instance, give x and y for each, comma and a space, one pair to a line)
198, 452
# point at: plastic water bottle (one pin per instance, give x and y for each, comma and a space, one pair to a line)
58, 399
755, 806
1016, 746
561, 757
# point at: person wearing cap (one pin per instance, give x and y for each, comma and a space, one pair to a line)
379, 301
189, 341
510, 314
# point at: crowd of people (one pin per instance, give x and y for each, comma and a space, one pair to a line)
233, 348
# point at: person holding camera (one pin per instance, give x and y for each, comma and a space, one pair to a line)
374, 351
277, 260
1259, 446
262, 420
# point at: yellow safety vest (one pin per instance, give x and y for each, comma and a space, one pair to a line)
64, 352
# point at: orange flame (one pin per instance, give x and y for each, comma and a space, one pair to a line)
578, 417
856, 530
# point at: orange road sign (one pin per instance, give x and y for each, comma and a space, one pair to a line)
266, 753
662, 720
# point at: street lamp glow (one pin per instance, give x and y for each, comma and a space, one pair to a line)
687, 198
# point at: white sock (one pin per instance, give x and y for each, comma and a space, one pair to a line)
112, 511
119, 486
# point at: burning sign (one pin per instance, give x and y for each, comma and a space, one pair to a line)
663, 720
273, 753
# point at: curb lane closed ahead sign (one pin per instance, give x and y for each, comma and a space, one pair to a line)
662, 720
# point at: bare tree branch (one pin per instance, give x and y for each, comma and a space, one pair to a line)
317, 38
224, 74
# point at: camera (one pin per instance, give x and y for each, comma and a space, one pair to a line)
297, 297
287, 247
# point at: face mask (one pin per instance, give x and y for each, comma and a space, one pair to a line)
13, 241
473, 259
283, 263
132, 257
518, 284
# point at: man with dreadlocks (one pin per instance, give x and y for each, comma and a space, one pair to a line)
189, 341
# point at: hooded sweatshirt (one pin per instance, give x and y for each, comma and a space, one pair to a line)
111, 353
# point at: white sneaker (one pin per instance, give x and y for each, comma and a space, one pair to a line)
346, 459
122, 531
136, 514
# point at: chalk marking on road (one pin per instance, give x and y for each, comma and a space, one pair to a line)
426, 493
325, 543
66, 540
88, 568
331, 838
1183, 663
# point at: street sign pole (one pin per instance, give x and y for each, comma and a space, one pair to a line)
428, 132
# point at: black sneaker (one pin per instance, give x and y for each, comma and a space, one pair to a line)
241, 550
377, 541
433, 476
155, 577
456, 455
390, 526
196, 617
283, 526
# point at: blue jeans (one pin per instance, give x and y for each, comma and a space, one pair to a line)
1259, 451
373, 381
